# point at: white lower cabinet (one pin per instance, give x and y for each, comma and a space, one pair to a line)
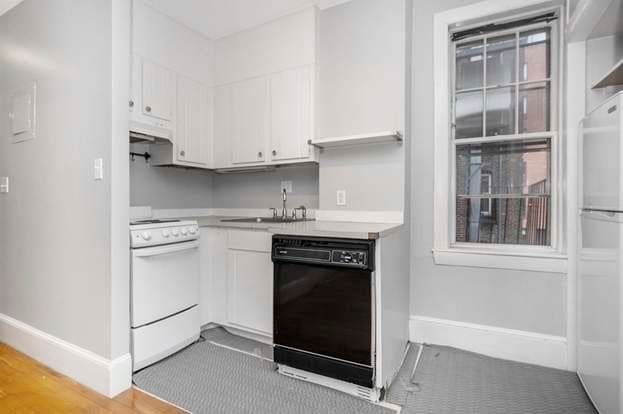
250, 291
236, 286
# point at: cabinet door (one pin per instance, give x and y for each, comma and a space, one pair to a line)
222, 126
291, 114
250, 121
158, 91
250, 290
191, 137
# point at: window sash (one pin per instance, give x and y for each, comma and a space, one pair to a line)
552, 134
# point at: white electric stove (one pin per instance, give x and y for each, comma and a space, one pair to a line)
164, 288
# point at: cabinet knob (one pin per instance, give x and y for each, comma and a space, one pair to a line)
182, 153
148, 108
274, 152
259, 154
131, 103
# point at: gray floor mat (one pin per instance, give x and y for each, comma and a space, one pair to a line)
206, 378
449, 380
222, 337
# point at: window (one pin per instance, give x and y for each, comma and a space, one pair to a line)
497, 189
502, 135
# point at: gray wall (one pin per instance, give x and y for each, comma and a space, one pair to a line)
262, 190
361, 89
55, 223
168, 187
528, 301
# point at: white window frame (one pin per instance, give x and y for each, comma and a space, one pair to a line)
445, 251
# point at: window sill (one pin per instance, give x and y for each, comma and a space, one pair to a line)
527, 261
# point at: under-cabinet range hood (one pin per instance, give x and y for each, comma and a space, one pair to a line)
142, 132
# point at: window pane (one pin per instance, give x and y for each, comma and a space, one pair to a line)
500, 111
469, 65
534, 107
468, 114
534, 52
501, 63
503, 192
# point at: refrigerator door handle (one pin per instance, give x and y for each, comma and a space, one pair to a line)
604, 214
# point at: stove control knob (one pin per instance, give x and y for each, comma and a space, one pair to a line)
166, 233
193, 230
175, 232
184, 231
146, 235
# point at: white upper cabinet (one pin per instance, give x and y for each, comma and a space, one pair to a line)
291, 114
222, 126
191, 126
158, 91
250, 121
264, 98
171, 88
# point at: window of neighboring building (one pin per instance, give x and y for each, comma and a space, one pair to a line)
503, 135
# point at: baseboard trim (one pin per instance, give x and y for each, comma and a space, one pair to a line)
522, 346
107, 377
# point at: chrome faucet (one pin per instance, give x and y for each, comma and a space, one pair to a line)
284, 213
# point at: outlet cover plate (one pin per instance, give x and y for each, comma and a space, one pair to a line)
287, 185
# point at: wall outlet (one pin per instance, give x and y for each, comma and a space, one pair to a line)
4, 184
98, 169
341, 197
287, 185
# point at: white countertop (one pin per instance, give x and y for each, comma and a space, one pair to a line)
320, 228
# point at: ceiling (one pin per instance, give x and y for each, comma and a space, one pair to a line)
218, 18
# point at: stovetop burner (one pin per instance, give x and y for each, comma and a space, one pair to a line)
155, 221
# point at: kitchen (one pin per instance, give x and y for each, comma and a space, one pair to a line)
304, 236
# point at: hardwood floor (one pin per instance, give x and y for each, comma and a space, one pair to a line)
27, 386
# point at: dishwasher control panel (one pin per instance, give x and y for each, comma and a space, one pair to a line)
348, 257
324, 251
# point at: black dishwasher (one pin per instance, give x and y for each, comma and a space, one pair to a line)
324, 306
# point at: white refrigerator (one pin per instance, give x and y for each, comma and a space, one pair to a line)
600, 256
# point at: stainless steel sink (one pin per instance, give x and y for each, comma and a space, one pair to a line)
264, 220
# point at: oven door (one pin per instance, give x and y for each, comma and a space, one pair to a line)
165, 281
325, 310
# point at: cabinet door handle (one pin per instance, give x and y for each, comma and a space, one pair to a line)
131, 103
148, 108
274, 152
259, 154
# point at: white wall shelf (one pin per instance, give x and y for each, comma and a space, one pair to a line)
374, 138
614, 77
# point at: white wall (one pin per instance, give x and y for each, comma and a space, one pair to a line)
361, 89
159, 38
55, 223
265, 49
528, 301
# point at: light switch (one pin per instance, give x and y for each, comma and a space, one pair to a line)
4, 184
287, 185
98, 169
341, 197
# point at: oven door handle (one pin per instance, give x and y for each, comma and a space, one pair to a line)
160, 250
